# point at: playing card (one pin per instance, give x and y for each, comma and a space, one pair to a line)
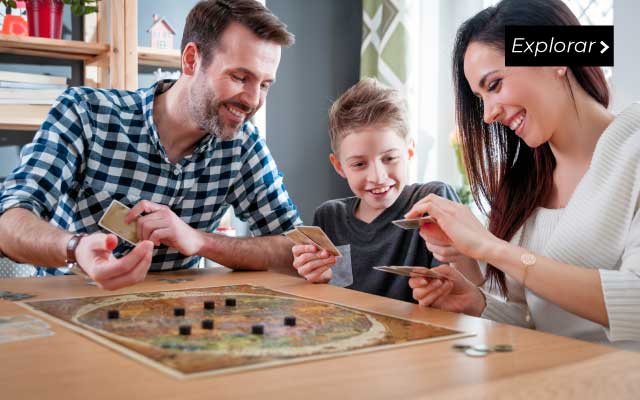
317, 235
298, 237
411, 271
413, 223
113, 221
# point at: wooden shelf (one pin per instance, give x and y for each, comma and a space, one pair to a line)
169, 58
55, 48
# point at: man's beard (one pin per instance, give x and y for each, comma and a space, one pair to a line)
205, 111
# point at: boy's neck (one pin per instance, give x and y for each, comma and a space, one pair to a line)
367, 214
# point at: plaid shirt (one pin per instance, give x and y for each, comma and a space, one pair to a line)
99, 145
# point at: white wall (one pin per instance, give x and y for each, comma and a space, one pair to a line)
626, 76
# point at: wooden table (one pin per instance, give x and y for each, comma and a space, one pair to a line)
543, 366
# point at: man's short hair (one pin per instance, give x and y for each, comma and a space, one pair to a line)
209, 18
367, 103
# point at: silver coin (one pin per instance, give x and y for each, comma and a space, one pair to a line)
475, 353
481, 347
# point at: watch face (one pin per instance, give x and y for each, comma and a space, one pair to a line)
528, 259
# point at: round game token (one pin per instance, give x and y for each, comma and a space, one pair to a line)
185, 330
475, 353
178, 312
113, 314
209, 305
230, 302
481, 347
257, 329
503, 347
207, 324
290, 321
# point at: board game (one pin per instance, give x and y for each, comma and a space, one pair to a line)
208, 331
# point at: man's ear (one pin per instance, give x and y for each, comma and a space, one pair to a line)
411, 148
191, 59
337, 165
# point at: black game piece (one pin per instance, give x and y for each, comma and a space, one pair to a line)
113, 314
207, 324
231, 302
178, 312
257, 329
185, 330
209, 305
290, 321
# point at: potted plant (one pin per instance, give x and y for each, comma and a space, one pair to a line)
45, 16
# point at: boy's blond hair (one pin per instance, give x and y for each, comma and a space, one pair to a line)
367, 103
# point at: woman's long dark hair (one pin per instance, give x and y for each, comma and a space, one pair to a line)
514, 178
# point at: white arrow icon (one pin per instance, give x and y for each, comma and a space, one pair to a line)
604, 47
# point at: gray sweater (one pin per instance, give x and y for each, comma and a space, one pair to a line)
365, 245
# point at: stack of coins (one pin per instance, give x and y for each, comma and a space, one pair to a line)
481, 350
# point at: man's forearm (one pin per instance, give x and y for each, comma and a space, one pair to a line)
26, 238
258, 253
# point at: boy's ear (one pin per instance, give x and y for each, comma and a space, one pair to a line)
336, 165
411, 148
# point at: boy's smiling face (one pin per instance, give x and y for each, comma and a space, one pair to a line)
375, 162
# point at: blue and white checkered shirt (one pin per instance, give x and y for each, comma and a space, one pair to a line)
99, 145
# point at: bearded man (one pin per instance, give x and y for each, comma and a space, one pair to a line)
179, 153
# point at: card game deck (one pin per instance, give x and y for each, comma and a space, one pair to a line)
312, 235
413, 223
411, 271
113, 221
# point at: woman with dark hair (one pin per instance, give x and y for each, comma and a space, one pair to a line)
561, 175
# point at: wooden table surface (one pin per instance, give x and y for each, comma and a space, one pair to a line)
68, 365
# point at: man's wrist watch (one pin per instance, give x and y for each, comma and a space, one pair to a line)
71, 261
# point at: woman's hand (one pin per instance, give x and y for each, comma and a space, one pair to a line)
455, 226
455, 294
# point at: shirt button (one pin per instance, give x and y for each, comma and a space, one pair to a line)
176, 171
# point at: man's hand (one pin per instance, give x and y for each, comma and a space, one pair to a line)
95, 256
312, 264
157, 223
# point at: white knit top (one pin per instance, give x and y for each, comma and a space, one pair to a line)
599, 228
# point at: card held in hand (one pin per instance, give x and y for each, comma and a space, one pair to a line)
313, 235
113, 221
413, 223
411, 271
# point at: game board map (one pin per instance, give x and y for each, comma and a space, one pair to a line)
147, 329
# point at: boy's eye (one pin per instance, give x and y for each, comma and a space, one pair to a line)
357, 165
238, 78
390, 158
265, 86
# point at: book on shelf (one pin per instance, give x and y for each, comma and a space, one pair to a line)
23, 77
28, 96
24, 85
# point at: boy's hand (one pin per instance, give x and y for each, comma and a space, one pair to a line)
313, 264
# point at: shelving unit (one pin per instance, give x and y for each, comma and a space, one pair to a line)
110, 53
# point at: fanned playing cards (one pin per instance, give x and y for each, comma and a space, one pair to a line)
313, 235
413, 223
411, 272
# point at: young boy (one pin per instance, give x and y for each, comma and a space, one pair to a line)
371, 149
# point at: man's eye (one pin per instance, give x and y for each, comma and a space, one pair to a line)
239, 78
